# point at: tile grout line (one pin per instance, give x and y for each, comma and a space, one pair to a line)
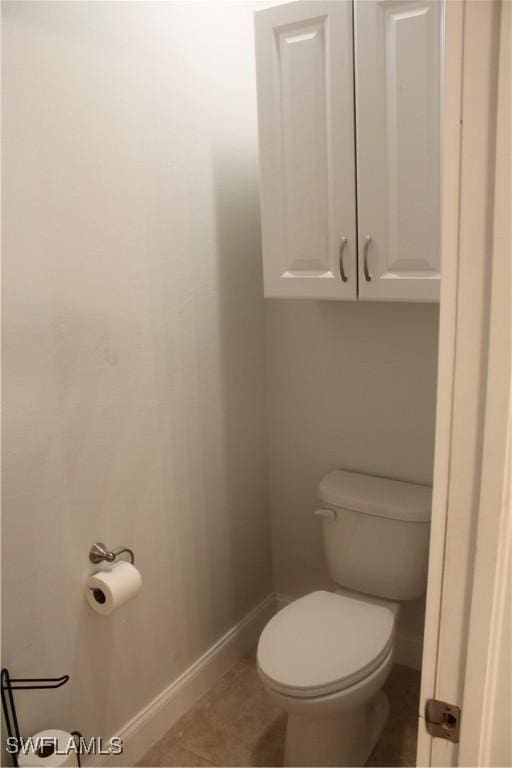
179, 740
198, 757
246, 664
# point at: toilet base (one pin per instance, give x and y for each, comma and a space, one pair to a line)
342, 739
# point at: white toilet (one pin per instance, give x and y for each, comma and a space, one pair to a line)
325, 657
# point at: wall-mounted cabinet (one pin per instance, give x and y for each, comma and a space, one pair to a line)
348, 107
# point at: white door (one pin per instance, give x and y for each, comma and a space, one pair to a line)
467, 648
306, 126
398, 59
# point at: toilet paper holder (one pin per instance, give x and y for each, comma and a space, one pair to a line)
99, 553
9, 684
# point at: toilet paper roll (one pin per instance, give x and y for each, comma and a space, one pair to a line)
50, 748
108, 590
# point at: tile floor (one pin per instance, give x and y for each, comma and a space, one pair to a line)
236, 724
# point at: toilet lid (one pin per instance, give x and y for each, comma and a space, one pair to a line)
323, 643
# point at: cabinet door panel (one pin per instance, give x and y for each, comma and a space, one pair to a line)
306, 128
398, 54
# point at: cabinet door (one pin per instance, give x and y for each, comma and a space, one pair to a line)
398, 57
306, 130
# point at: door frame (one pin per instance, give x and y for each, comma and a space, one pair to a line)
467, 606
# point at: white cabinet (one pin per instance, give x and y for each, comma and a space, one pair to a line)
306, 129
397, 63
313, 137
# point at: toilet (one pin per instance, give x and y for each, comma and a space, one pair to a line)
325, 657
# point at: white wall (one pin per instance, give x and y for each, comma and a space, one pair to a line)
133, 344
134, 394
350, 385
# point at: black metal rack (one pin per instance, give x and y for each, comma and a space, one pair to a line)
10, 684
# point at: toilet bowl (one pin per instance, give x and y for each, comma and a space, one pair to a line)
325, 657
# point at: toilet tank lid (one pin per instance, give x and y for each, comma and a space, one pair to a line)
377, 496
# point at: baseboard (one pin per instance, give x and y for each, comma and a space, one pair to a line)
155, 719
282, 600
408, 650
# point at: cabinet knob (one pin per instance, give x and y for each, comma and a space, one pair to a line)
342, 268
367, 275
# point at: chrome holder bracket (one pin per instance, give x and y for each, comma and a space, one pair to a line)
99, 553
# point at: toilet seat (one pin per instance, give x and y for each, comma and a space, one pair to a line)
324, 643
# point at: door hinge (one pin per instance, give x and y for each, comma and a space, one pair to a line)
443, 719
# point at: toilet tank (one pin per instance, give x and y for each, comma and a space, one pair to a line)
376, 533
